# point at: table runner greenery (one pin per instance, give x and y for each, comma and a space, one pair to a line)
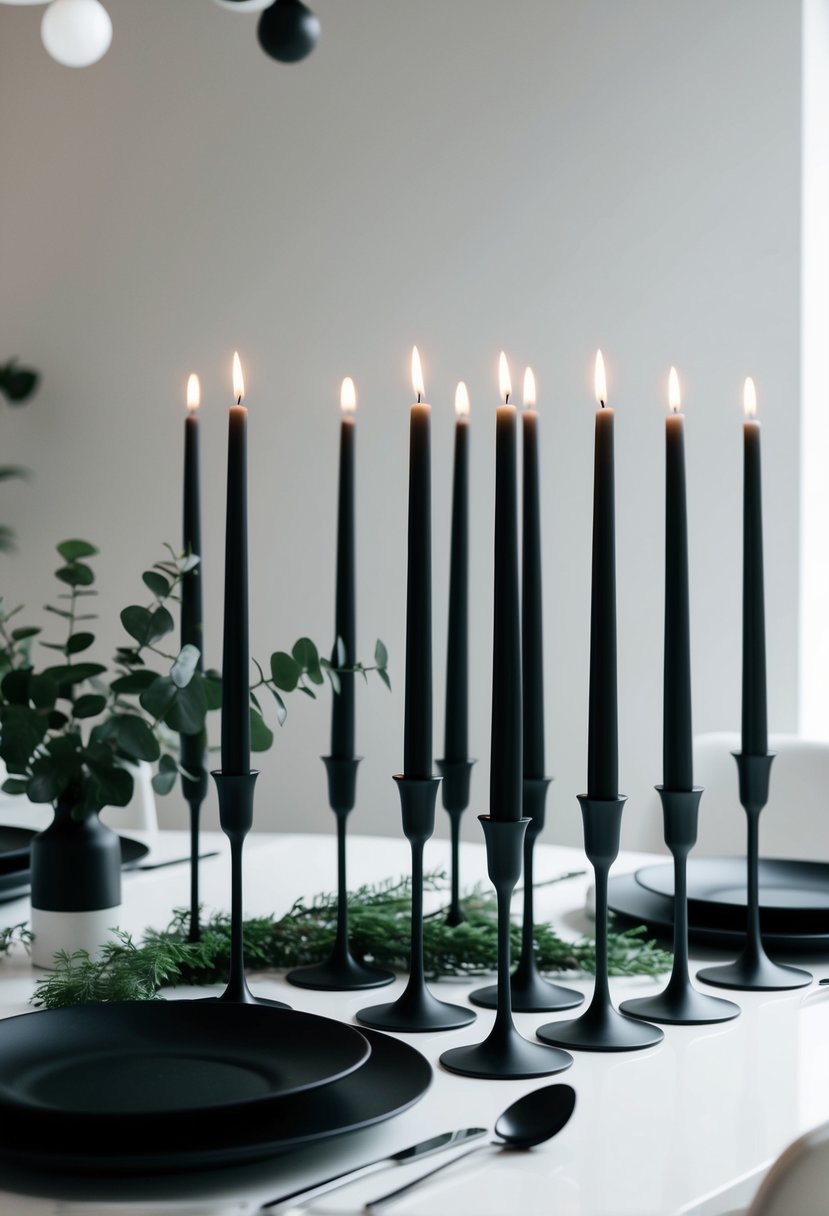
379, 920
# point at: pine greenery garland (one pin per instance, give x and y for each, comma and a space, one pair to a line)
379, 921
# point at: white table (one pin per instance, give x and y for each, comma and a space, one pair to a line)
687, 1127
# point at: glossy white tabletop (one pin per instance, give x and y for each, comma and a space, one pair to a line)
686, 1127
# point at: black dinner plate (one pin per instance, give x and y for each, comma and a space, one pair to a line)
123, 1063
635, 905
794, 895
394, 1077
15, 869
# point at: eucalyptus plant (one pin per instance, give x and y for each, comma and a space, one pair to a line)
70, 730
17, 384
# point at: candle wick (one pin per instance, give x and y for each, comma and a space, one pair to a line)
601, 403
238, 400
506, 399
418, 398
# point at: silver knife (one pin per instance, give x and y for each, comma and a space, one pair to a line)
435, 1144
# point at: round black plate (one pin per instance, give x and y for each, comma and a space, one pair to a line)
642, 907
164, 1060
794, 895
16, 875
14, 847
394, 1077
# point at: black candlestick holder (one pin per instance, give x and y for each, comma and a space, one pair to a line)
531, 993
680, 1003
195, 792
236, 820
341, 972
754, 970
601, 1027
505, 1054
416, 1009
456, 776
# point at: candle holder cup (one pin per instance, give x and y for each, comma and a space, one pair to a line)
236, 820
341, 972
601, 1027
531, 993
416, 1009
680, 1003
505, 1054
753, 970
456, 776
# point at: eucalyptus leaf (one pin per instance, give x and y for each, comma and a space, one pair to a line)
261, 735
384, 676
281, 710
181, 673
23, 730
25, 631
43, 691
189, 709
89, 706
381, 655
78, 642
133, 683
135, 738
285, 671
14, 785
164, 780
71, 550
77, 574
157, 583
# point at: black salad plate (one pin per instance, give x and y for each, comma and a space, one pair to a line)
15, 870
794, 895
14, 847
113, 1067
394, 1077
635, 905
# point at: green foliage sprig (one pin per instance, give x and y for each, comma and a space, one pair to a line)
380, 933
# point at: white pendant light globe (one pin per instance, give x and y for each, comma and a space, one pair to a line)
244, 6
76, 33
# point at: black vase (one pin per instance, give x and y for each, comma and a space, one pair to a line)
76, 885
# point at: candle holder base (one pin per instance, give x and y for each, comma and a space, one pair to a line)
680, 1003
416, 1010
236, 820
601, 1027
504, 1054
530, 992
341, 972
753, 970
456, 776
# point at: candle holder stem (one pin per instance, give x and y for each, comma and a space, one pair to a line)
341, 972
456, 776
236, 820
416, 1009
194, 929
753, 970
531, 993
680, 1003
505, 1054
601, 1027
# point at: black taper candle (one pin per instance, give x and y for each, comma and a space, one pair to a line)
755, 729
677, 748
456, 729
342, 707
236, 646
193, 747
417, 740
532, 648
602, 740
506, 758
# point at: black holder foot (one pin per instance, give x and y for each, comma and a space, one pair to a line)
236, 820
601, 1027
680, 1003
341, 972
531, 993
505, 1054
754, 970
416, 1010
456, 776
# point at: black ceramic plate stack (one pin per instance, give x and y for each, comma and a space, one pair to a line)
794, 902
15, 862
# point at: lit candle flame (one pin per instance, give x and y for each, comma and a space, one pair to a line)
529, 388
504, 377
461, 400
238, 380
600, 380
193, 392
348, 396
749, 398
417, 375
674, 399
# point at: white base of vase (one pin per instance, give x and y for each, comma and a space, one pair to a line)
70, 931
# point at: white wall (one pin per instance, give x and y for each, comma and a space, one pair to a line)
545, 177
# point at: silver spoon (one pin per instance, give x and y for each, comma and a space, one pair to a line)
532, 1119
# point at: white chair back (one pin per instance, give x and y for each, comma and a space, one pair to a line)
798, 1182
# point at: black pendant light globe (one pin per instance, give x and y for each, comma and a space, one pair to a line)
288, 31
